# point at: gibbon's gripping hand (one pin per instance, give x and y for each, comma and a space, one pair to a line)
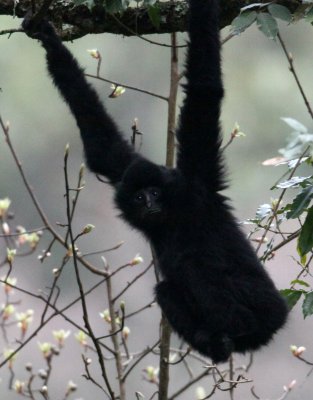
42, 30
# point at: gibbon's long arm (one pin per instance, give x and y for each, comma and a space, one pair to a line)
198, 132
107, 153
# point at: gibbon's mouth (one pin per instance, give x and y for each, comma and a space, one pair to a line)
151, 212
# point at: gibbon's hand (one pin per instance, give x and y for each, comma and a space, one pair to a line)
37, 30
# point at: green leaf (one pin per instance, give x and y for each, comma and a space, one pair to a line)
307, 306
300, 203
243, 21
149, 2
263, 211
254, 5
294, 124
155, 15
309, 16
281, 12
267, 25
305, 241
114, 6
88, 3
299, 282
291, 296
294, 182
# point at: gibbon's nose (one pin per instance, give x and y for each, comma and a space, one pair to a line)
148, 200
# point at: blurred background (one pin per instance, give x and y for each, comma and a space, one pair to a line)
259, 91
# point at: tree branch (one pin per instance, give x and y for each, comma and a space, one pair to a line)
133, 21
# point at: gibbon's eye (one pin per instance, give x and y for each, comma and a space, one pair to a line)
155, 193
139, 197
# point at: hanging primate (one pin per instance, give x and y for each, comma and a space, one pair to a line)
214, 291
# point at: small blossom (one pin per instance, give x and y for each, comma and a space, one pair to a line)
8, 310
22, 238
105, 315
60, 336
46, 349
237, 132
136, 260
151, 374
6, 228
82, 170
19, 386
33, 239
9, 282
297, 351
56, 272
44, 390
94, 53
10, 255
274, 203
81, 337
88, 360
105, 263
117, 91
122, 305
4, 206
42, 373
88, 228
291, 385
125, 332
71, 387
11, 355
67, 149
200, 393
24, 319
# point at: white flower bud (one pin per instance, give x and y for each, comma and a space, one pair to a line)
94, 53
136, 260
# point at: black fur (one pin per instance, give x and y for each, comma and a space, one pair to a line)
215, 292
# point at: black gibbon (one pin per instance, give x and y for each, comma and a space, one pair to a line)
214, 291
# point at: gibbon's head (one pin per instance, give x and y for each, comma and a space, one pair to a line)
146, 193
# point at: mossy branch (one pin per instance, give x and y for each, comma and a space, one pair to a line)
134, 21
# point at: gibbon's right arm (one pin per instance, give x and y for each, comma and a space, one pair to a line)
198, 133
106, 151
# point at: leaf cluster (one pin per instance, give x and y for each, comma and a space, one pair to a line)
265, 16
119, 6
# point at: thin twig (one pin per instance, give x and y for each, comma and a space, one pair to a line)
36, 203
129, 284
10, 31
142, 356
115, 341
144, 38
127, 87
80, 285
294, 73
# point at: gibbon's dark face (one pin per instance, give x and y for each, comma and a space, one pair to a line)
140, 195
148, 202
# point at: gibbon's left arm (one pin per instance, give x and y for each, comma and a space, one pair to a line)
107, 153
198, 132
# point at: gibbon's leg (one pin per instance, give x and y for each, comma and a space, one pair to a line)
172, 302
189, 325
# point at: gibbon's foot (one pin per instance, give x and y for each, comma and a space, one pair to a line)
219, 348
